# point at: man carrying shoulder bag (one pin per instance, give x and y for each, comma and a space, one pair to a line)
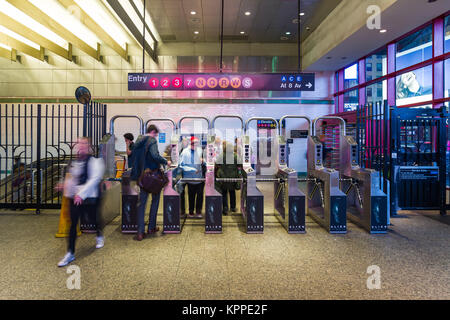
150, 178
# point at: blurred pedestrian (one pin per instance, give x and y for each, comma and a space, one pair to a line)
82, 188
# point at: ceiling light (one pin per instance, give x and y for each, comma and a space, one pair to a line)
247, 13
301, 14
106, 20
193, 12
68, 20
196, 32
383, 31
5, 47
242, 32
288, 33
19, 38
283, 38
28, 22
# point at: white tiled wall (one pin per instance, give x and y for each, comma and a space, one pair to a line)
59, 77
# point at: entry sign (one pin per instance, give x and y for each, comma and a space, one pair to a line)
222, 81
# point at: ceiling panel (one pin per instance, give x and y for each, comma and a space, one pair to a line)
268, 22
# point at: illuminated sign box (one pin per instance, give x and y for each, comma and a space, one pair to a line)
221, 81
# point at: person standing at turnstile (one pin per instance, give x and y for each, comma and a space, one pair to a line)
129, 138
227, 167
147, 157
191, 162
83, 190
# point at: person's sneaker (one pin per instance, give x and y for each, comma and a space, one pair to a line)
198, 215
68, 258
191, 215
100, 242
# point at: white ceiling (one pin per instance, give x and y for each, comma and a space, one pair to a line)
268, 22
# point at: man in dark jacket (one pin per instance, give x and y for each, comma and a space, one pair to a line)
147, 156
228, 168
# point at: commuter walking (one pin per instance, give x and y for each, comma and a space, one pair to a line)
147, 157
227, 167
191, 163
83, 189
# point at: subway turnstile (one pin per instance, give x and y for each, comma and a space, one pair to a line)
121, 197
289, 199
172, 221
252, 200
366, 202
326, 203
213, 199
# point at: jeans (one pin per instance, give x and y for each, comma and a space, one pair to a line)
232, 193
75, 214
143, 196
195, 192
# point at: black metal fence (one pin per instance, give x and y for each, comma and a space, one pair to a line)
36, 144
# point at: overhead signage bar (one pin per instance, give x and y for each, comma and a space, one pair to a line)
221, 81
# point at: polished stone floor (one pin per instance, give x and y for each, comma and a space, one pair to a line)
414, 259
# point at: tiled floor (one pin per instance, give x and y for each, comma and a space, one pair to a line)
414, 258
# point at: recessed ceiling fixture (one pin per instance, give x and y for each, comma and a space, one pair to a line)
283, 38
193, 12
301, 14
242, 32
288, 33
196, 32
247, 13
295, 21
383, 31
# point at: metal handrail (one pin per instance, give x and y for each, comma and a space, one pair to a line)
227, 116
341, 125
192, 117
295, 117
111, 122
174, 125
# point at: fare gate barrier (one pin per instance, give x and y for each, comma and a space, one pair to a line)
326, 203
289, 199
252, 200
366, 202
172, 221
122, 197
213, 199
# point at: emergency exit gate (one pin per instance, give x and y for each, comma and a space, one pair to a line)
36, 144
408, 147
418, 159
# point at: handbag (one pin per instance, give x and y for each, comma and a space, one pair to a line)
152, 181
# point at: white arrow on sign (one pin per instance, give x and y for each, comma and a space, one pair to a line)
309, 85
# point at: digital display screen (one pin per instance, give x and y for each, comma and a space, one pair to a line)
221, 81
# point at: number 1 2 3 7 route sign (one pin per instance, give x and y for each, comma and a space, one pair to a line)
222, 81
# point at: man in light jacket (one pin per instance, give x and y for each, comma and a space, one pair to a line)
191, 162
83, 189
